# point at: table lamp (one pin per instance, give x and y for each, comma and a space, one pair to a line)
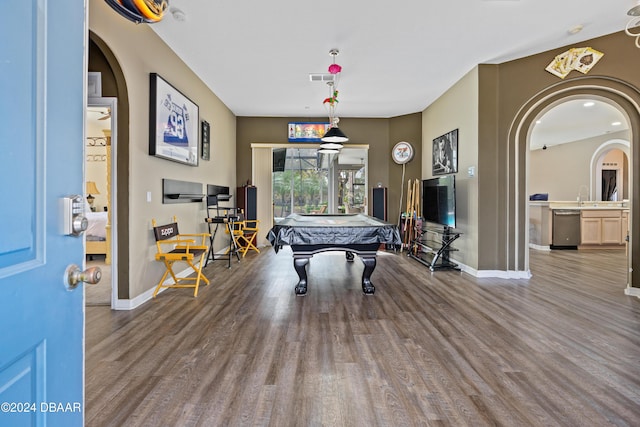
91, 189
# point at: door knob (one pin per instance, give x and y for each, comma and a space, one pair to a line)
74, 276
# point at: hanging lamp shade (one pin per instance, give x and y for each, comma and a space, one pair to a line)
331, 145
334, 134
328, 150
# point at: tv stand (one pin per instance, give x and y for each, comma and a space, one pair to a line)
432, 247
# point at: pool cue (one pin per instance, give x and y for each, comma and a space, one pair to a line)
414, 200
406, 214
417, 207
409, 218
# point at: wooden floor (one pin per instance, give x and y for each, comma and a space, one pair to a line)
441, 349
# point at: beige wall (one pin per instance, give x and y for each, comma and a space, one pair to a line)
458, 109
564, 170
139, 52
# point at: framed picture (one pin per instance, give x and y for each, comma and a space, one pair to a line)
204, 135
445, 153
173, 123
306, 132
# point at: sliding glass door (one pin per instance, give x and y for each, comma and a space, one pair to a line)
305, 181
300, 183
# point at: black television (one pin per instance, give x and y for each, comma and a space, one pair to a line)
439, 200
279, 159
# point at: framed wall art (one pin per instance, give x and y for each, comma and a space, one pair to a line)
445, 153
173, 123
306, 132
206, 142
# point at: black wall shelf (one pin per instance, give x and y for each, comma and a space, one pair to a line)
174, 191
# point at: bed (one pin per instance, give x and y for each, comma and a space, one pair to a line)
96, 233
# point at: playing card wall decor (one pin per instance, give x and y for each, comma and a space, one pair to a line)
581, 59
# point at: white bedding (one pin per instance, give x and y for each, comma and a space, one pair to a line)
97, 224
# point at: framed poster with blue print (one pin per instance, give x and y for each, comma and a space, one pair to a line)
306, 132
173, 123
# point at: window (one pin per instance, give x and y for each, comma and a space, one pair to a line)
302, 187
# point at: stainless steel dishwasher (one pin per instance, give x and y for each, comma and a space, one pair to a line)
566, 229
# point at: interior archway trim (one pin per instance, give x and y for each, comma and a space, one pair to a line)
618, 93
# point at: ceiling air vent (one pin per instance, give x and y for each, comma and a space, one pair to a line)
321, 77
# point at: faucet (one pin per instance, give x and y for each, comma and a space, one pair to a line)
580, 200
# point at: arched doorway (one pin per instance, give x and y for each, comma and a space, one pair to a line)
578, 158
617, 154
627, 99
103, 60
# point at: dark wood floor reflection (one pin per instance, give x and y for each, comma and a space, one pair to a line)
441, 349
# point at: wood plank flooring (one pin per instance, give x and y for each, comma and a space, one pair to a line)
428, 349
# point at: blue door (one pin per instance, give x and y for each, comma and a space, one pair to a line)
42, 69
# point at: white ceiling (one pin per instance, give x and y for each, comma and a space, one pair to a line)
576, 120
397, 57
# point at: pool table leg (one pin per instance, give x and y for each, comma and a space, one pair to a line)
300, 264
369, 265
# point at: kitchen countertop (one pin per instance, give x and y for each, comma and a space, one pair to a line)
589, 205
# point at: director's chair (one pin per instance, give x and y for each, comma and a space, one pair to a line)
248, 239
174, 247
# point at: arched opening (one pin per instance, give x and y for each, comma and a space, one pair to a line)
617, 93
103, 60
578, 161
614, 155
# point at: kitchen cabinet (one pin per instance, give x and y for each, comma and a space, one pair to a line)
590, 231
601, 227
611, 231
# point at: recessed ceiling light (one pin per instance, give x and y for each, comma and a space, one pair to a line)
589, 104
616, 123
576, 29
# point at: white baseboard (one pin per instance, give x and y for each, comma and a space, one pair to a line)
500, 274
631, 291
539, 247
130, 304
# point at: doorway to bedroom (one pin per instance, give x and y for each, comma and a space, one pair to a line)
99, 194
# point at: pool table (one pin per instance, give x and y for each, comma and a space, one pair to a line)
352, 233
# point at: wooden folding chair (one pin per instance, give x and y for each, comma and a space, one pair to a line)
175, 247
249, 237
234, 228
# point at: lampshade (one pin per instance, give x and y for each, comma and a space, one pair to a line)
92, 188
331, 146
328, 151
334, 134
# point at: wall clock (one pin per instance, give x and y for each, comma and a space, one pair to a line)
402, 152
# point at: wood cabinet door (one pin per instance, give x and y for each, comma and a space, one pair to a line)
590, 231
611, 231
